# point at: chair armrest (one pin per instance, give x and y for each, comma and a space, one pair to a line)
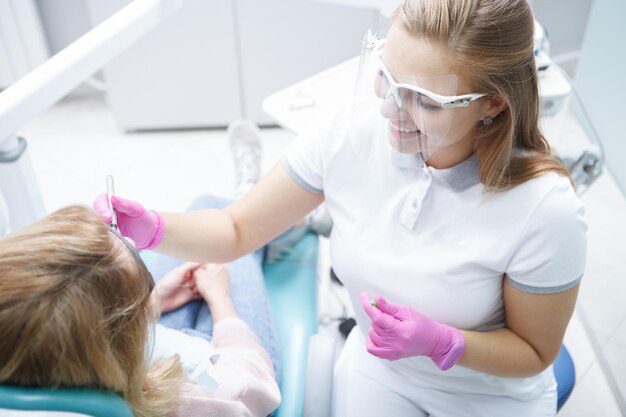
292, 289
319, 379
83, 401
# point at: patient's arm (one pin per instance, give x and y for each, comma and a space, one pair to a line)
212, 282
175, 289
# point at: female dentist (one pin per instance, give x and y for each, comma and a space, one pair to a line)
449, 211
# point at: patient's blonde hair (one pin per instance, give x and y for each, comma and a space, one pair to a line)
490, 43
75, 312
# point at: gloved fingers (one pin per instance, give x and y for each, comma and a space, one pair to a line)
387, 307
370, 310
127, 207
378, 317
381, 352
101, 208
388, 329
375, 337
124, 230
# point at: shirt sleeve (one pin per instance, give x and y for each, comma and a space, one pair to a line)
551, 254
310, 152
244, 371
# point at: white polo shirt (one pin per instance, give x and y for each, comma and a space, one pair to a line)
435, 240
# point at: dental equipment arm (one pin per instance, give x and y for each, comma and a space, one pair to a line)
50, 82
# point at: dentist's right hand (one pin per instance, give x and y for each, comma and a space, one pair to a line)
144, 227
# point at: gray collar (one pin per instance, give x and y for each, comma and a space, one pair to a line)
459, 177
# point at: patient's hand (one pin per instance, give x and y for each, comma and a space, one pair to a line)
213, 283
176, 288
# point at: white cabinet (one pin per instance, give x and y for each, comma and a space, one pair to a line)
181, 75
215, 61
285, 41
22, 43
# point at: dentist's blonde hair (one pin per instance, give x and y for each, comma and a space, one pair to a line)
75, 311
490, 45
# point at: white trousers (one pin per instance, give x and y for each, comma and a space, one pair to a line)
364, 386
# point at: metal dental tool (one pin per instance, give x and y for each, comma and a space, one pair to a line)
110, 193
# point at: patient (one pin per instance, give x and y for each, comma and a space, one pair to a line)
76, 308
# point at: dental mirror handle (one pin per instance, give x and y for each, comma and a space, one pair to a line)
110, 193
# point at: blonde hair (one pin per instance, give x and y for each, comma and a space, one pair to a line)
75, 313
490, 43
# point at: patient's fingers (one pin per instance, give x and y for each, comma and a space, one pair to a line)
188, 267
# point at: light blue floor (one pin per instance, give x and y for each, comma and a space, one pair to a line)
74, 145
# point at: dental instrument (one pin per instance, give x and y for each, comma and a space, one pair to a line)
111, 193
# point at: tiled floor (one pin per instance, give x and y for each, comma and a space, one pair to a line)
74, 145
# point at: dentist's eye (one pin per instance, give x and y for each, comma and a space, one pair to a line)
423, 102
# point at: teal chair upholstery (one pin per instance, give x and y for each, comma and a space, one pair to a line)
90, 402
292, 288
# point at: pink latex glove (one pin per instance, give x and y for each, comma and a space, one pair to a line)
144, 227
399, 332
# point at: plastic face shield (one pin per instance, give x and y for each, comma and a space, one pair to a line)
414, 113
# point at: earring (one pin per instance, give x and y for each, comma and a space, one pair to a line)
487, 121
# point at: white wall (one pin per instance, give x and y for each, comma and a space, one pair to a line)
64, 21
22, 41
601, 83
565, 21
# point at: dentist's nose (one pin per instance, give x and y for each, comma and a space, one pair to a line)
390, 108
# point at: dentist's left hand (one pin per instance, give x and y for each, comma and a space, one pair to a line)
399, 332
144, 227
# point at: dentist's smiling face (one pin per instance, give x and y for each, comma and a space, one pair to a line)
422, 124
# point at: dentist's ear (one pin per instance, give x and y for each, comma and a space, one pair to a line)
493, 106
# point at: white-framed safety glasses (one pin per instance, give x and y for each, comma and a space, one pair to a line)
395, 88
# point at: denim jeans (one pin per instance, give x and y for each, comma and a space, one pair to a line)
247, 289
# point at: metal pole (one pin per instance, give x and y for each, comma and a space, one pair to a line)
4, 217
50, 82
18, 185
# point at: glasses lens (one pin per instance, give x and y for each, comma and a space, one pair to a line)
419, 102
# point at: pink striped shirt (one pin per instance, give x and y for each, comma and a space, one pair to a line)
245, 375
